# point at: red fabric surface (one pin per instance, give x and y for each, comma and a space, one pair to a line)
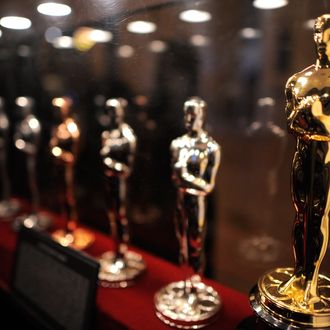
133, 308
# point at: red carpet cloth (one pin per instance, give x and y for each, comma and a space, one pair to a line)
133, 308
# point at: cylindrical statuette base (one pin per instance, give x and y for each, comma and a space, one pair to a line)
288, 310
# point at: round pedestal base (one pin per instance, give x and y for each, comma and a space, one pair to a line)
288, 310
35, 221
120, 272
8, 209
177, 308
79, 239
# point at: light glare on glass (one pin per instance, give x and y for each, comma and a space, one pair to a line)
269, 4
250, 33
100, 35
195, 16
199, 40
22, 101
54, 9
157, 46
63, 42
141, 27
125, 51
309, 24
15, 22
52, 33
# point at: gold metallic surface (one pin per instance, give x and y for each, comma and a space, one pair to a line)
78, 239
289, 309
303, 294
195, 162
118, 268
64, 147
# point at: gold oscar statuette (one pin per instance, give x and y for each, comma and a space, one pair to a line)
64, 148
190, 303
299, 297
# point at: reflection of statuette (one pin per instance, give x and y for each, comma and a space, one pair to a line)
120, 267
190, 303
64, 147
299, 297
8, 207
27, 139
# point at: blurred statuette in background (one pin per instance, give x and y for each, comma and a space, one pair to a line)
27, 139
119, 268
8, 206
299, 297
191, 304
64, 147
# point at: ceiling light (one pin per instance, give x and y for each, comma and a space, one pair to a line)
63, 42
100, 36
15, 22
54, 9
269, 4
157, 46
250, 33
195, 16
52, 33
125, 51
199, 40
141, 27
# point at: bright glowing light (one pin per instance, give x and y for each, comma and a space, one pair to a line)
100, 36
199, 40
141, 27
157, 46
112, 103
52, 33
15, 22
22, 101
250, 33
72, 127
58, 102
266, 101
56, 151
54, 9
34, 123
20, 144
269, 4
195, 16
125, 51
63, 42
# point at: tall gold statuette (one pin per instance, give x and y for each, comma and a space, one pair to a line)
64, 148
299, 297
191, 304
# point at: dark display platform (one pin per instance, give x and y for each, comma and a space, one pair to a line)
130, 308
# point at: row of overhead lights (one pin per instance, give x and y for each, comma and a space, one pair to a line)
59, 9
23, 23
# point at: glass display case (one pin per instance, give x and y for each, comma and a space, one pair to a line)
235, 54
